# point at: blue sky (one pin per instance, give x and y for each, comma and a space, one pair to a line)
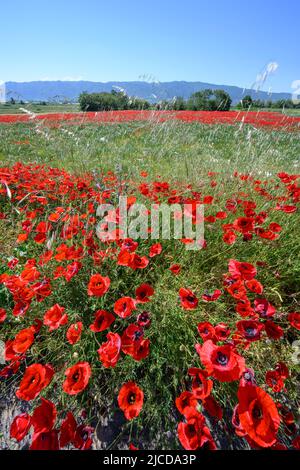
220, 41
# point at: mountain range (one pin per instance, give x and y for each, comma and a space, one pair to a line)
62, 91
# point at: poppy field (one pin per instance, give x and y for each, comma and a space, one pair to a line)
274, 120
123, 343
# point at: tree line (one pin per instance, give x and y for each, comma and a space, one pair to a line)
207, 100
247, 103
115, 100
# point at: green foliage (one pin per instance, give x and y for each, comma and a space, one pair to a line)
110, 102
209, 100
246, 102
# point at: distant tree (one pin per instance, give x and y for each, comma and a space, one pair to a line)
110, 101
137, 103
222, 100
12, 101
200, 100
164, 105
258, 104
179, 104
246, 102
209, 100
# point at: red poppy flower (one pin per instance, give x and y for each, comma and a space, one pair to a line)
141, 349
222, 331
44, 416
55, 317
221, 215
244, 224
37, 325
67, 430
78, 377
22, 237
242, 270
9, 353
132, 260
138, 262
188, 299
13, 263
288, 419
20, 308
264, 308
186, 400
201, 385
23, 340
244, 309
124, 258
296, 443
45, 441
130, 400
82, 438
229, 237
109, 352
236, 423
134, 344
155, 250
273, 331
206, 330
258, 415
36, 378
103, 320
212, 297
124, 306
42, 289
128, 244
294, 319
212, 407
266, 234
30, 274
222, 362
20, 426
143, 292
282, 369
143, 320
175, 268
247, 378
2, 315
98, 285
250, 329
274, 380
254, 286
45, 257
132, 447
74, 332
71, 270
237, 290
194, 434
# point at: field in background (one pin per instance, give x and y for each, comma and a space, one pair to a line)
9, 108
171, 149
232, 163
258, 119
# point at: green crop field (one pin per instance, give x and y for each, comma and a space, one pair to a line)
17, 108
